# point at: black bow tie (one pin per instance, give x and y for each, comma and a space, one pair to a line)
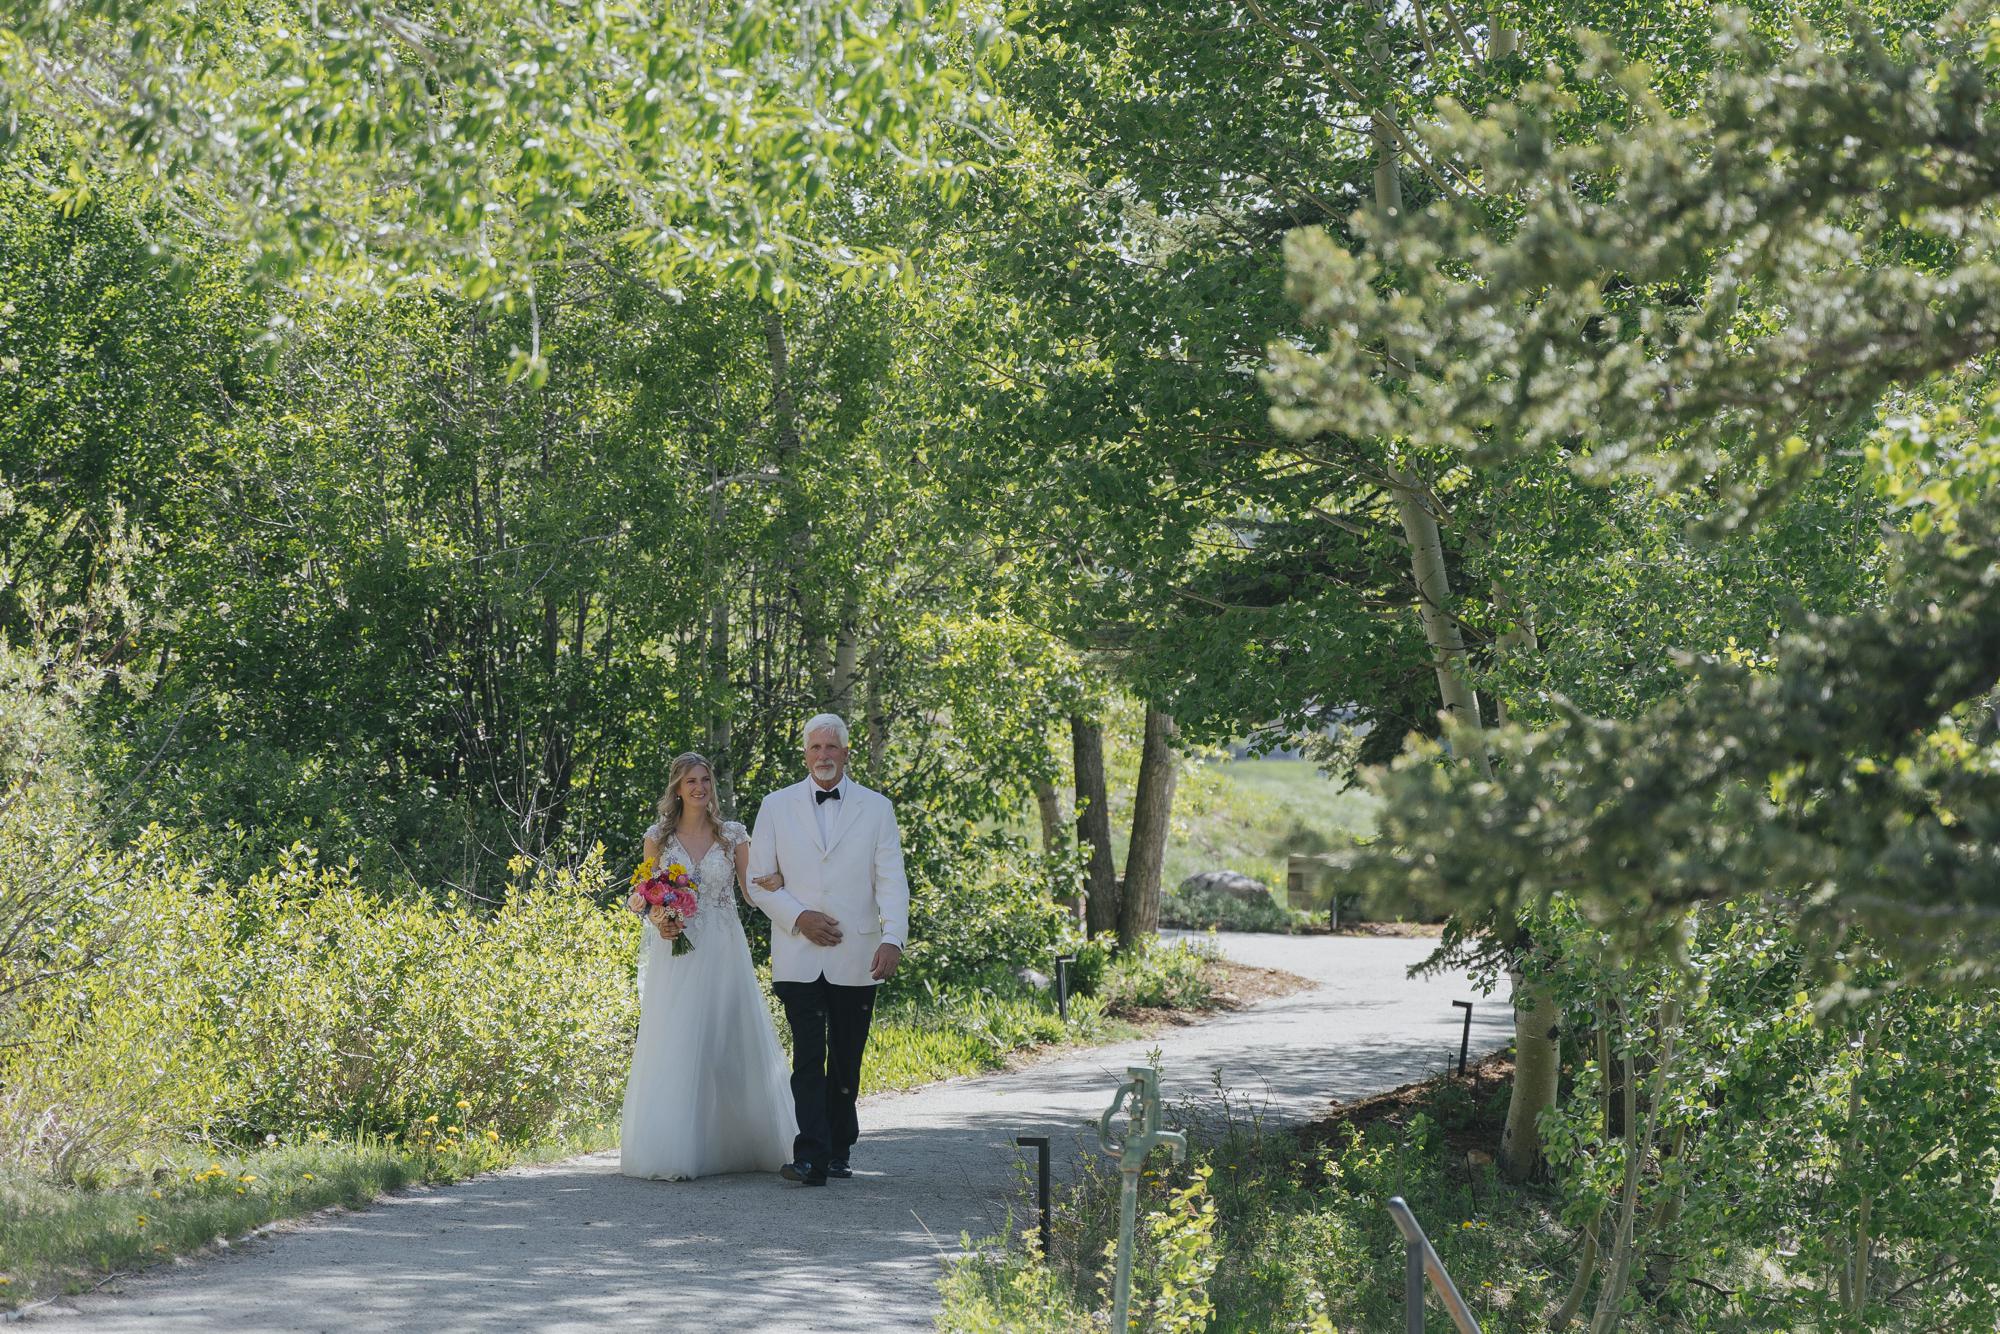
824, 795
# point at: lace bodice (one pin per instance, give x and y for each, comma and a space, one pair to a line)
714, 875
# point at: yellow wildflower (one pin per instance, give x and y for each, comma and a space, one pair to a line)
464, 1106
493, 1137
643, 873
311, 1177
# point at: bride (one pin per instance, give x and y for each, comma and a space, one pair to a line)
708, 1091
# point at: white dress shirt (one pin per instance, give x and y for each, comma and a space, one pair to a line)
825, 811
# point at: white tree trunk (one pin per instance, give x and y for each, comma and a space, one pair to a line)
1537, 1068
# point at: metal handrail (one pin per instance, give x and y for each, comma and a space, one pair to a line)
1421, 1259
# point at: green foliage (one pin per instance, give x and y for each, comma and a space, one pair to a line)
972, 1025
452, 150
1827, 1167
1213, 910
1260, 1232
1175, 1261
300, 1001
1636, 325
983, 901
1160, 976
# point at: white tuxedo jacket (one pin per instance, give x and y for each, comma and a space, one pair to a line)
854, 876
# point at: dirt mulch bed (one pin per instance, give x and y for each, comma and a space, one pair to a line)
1473, 1140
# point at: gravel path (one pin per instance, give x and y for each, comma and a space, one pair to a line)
576, 1247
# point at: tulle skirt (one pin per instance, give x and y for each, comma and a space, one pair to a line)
708, 1092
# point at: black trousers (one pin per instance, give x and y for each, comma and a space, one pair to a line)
829, 1031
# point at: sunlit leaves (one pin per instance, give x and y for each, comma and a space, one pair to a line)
1657, 300
378, 145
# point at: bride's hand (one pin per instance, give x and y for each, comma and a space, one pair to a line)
771, 883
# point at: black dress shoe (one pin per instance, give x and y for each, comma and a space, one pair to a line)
803, 1173
839, 1168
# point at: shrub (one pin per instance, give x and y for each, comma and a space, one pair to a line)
983, 903
1177, 975
1261, 1231
1213, 910
300, 1001
1093, 961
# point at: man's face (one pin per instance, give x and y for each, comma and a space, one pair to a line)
826, 758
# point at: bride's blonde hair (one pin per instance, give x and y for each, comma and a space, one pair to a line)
670, 804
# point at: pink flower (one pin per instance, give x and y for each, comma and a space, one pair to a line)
636, 901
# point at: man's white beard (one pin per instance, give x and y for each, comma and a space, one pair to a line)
825, 772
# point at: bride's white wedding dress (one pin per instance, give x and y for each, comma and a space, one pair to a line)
708, 1091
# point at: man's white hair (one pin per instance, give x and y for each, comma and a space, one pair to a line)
826, 722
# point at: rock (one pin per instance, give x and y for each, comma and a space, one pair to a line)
1039, 981
1233, 884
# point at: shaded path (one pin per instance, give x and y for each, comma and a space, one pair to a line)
574, 1246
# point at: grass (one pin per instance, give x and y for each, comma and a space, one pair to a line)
918, 1040
1249, 815
56, 1239
984, 1024
1300, 1236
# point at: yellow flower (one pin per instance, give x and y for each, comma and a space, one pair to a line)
158, 1196
246, 1178
677, 870
644, 873
431, 1120
464, 1106
492, 1137
141, 1220
6, 1282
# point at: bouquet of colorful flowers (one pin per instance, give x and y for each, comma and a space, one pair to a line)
665, 895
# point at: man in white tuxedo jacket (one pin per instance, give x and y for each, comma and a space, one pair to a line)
826, 866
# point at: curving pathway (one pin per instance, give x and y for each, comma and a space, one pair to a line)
575, 1247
